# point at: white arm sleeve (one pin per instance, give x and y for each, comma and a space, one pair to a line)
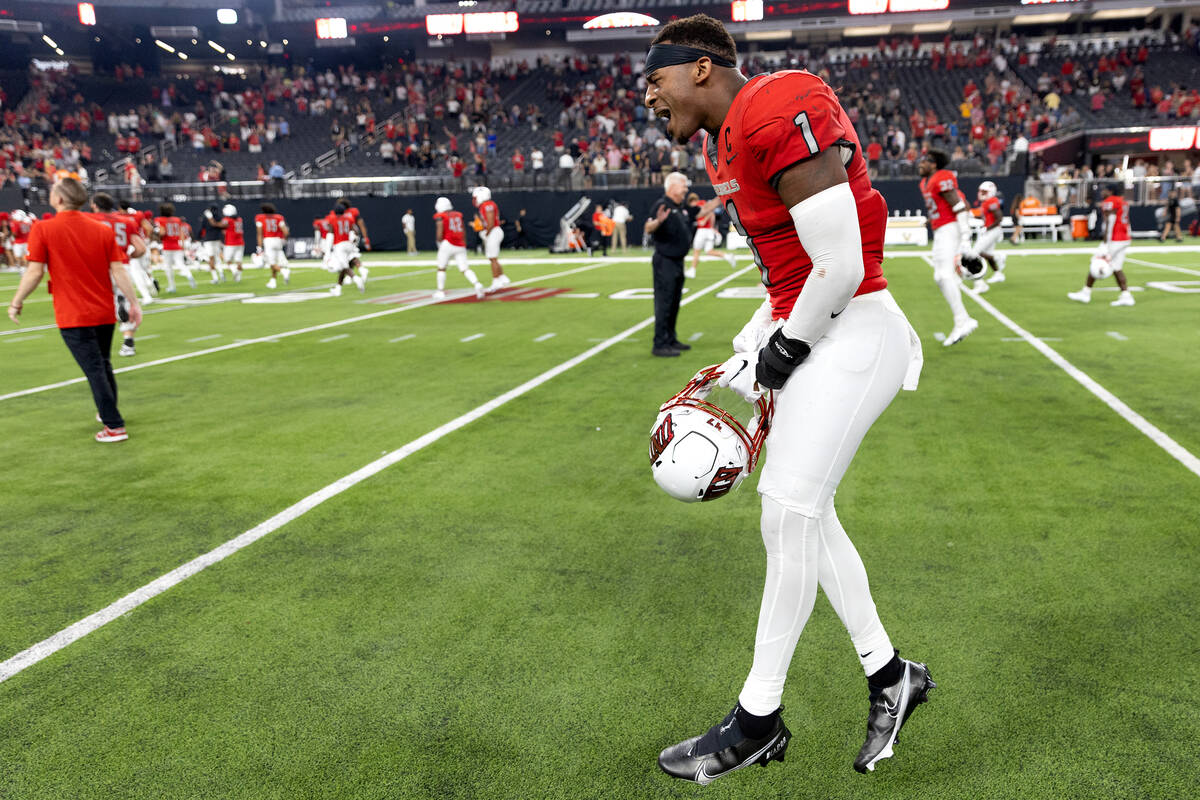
827, 224
962, 215
1110, 221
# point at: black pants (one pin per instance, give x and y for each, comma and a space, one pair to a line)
668, 290
91, 346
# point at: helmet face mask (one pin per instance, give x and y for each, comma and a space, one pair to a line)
698, 450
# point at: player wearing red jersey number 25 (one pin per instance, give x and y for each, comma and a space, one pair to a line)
830, 341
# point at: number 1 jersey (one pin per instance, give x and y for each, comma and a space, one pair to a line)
775, 122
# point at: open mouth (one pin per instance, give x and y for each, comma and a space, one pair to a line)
663, 113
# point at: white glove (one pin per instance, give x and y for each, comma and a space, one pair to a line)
1102, 249
754, 334
738, 374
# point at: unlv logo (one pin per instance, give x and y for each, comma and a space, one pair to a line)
722, 482
661, 437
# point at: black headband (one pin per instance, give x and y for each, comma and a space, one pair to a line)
668, 55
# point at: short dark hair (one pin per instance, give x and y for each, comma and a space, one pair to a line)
699, 30
268, 208
343, 203
166, 210
102, 201
938, 157
1117, 188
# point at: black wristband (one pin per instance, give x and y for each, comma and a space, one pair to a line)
778, 359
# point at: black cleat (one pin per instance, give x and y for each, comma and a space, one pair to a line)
723, 749
889, 710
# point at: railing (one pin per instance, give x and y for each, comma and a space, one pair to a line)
1086, 192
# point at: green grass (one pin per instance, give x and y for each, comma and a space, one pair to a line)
518, 612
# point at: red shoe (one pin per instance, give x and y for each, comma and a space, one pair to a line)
112, 435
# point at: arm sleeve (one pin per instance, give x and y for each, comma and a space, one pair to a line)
828, 227
791, 121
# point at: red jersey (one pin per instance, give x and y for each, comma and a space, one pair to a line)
341, 224
452, 227
993, 212
234, 234
322, 226
170, 232
20, 230
932, 187
483, 211
776, 121
271, 225
78, 252
705, 221
1116, 207
185, 230
122, 227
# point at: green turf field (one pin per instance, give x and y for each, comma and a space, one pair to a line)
514, 609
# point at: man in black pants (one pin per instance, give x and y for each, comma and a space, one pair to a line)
84, 262
670, 228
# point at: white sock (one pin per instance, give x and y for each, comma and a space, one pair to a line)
1086, 291
441, 279
802, 553
469, 274
953, 295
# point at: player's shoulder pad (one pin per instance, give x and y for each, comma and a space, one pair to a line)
782, 95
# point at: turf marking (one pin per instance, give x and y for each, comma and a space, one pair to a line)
1118, 336
276, 336
335, 338
1153, 433
1019, 339
472, 337
1170, 267
403, 338
24, 338
695, 336
47, 647
205, 338
582, 295
545, 336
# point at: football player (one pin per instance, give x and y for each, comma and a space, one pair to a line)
951, 222
235, 241
705, 239
830, 341
492, 233
272, 231
341, 249
19, 226
212, 234
991, 211
452, 243
357, 234
168, 230
1110, 255
131, 246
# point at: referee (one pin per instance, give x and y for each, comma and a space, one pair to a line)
84, 262
670, 226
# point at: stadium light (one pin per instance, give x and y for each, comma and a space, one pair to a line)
868, 30
1172, 138
164, 45
331, 28
230, 56
621, 19
227, 16
182, 56
87, 14
59, 51
216, 46
53, 44
746, 10
1040, 19
1123, 13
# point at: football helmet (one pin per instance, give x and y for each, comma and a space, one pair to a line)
442, 204
480, 195
987, 190
698, 450
228, 210
1100, 267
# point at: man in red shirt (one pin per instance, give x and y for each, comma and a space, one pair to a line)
169, 231
830, 342
19, 226
234, 241
950, 220
491, 233
84, 261
272, 231
452, 243
1109, 258
991, 212
341, 249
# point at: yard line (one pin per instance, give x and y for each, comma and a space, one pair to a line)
83, 627
335, 337
545, 336
472, 337
205, 338
583, 295
1118, 336
403, 338
1019, 339
1184, 270
275, 336
1153, 433
695, 336
24, 338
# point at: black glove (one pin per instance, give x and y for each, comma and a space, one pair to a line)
778, 359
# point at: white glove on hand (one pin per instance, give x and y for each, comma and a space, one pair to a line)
738, 374
1102, 249
754, 334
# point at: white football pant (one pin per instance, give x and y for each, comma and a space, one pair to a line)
1116, 254
985, 245
445, 252
945, 249
491, 242
704, 239
821, 416
173, 260
273, 252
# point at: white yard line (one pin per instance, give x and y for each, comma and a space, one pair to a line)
403, 338
275, 336
205, 338
1153, 433
83, 627
472, 337
695, 336
1119, 337
335, 337
1170, 267
24, 338
545, 336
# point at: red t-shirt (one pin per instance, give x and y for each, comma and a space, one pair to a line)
1113, 207
452, 227
78, 251
484, 207
170, 231
993, 212
940, 212
341, 225
234, 234
271, 225
776, 121
322, 226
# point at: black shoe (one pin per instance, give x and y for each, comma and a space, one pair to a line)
723, 749
678, 345
889, 709
665, 352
